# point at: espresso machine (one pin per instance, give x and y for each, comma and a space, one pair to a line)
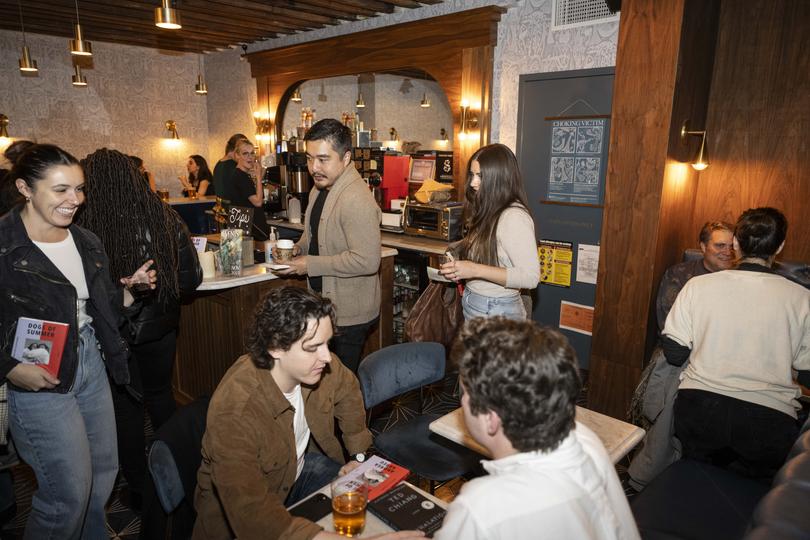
290, 178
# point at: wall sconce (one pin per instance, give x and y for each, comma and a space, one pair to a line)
5, 140
702, 158
443, 140
264, 127
78, 78
469, 120
171, 127
167, 17
296, 95
79, 46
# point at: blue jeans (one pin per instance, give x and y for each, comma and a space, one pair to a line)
476, 305
318, 471
69, 441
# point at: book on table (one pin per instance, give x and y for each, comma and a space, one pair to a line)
380, 474
405, 509
40, 343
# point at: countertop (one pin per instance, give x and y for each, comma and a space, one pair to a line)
388, 239
185, 200
250, 274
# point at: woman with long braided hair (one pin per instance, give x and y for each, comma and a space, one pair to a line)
133, 224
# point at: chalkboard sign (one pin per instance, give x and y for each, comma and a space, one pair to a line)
240, 217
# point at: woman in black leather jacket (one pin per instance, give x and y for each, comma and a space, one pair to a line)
133, 222
53, 270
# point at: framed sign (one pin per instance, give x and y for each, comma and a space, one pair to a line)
240, 217
579, 149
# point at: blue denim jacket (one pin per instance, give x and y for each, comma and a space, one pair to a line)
31, 286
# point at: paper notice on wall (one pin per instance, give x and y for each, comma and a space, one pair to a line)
587, 263
576, 317
555, 262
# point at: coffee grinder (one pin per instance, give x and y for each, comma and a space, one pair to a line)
298, 180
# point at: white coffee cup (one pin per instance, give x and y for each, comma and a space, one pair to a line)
285, 250
207, 264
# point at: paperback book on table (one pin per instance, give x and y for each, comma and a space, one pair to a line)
40, 342
380, 474
405, 509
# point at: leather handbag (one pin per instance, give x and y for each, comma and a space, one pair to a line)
437, 315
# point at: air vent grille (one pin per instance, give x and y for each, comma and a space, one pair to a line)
572, 13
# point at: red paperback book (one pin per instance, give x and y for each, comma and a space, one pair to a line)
381, 475
40, 342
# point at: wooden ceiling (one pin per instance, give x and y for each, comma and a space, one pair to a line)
208, 25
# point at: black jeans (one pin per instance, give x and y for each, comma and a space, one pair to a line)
348, 341
151, 366
731, 433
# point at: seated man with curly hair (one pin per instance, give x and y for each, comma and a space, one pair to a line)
270, 433
550, 476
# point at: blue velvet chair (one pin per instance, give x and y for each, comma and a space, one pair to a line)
173, 459
393, 371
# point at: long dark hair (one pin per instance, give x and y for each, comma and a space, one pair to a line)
501, 187
122, 210
203, 172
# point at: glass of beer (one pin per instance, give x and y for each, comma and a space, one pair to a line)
349, 500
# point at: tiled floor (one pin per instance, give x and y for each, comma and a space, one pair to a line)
124, 524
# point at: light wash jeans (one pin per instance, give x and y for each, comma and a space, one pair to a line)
476, 305
69, 441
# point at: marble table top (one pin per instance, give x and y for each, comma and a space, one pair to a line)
618, 437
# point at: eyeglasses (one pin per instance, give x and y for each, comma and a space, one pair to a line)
246, 154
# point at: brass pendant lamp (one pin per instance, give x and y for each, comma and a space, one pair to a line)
27, 64
78, 46
167, 17
200, 88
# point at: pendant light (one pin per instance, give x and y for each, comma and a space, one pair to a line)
167, 17
26, 63
296, 96
425, 103
78, 78
200, 88
360, 104
79, 46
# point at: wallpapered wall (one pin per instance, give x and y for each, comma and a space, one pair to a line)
131, 92
389, 103
525, 45
231, 100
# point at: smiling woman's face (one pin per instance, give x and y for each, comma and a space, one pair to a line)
54, 199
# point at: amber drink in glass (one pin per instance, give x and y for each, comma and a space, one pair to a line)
349, 506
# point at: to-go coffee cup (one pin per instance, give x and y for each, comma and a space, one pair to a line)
284, 248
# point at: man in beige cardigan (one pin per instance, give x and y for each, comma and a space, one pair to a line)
340, 248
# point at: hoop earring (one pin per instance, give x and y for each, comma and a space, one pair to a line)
28, 199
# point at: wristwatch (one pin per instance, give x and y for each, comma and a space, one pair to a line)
360, 457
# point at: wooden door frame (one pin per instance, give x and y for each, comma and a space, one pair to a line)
457, 50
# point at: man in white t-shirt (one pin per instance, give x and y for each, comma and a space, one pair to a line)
550, 477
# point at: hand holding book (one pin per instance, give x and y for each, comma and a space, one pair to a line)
31, 377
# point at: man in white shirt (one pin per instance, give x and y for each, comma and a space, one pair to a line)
550, 477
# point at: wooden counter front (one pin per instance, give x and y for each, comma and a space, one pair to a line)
214, 323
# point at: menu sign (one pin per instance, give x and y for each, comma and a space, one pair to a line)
240, 217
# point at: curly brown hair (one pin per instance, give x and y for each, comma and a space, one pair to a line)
280, 319
525, 373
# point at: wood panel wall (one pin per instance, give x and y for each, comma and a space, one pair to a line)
646, 67
739, 68
759, 118
457, 50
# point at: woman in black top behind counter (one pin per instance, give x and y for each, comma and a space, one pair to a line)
244, 187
